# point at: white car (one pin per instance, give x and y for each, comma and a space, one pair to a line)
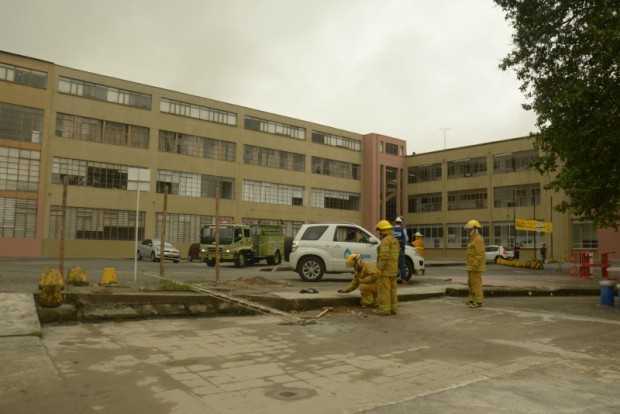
323, 248
150, 249
494, 252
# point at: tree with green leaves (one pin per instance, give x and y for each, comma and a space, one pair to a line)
566, 56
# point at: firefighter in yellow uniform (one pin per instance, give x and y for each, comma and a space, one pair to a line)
476, 263
365, 278
387, 265
418, 243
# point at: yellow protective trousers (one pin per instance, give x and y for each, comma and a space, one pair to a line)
474, 280
368, 292
387, 298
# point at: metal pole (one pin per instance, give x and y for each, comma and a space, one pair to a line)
61, 247
162, 238
135, 250
551, 235
217, 233
534, 207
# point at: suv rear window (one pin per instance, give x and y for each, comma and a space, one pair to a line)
313, 233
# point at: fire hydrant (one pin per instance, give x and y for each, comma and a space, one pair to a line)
51, 285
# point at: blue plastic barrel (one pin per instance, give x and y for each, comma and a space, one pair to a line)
607, 292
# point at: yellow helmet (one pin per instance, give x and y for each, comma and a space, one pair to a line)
384, 225
473, 224
352, 259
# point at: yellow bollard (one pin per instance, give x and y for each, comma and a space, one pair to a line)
51, 285
77, 277
108, 277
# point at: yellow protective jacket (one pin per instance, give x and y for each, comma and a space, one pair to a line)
387, 256
476, 260
418, 244
367, 274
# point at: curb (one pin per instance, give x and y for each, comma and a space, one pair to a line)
97, 307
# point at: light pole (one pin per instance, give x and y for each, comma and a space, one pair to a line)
445, 133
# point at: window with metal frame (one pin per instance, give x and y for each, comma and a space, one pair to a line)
96, 174
23, 76
196, 146
516, 196
340, 200
275, 128
267, 157
392, 149
423, 203
424, 173
272, 193
103, 132
21, 123
182, 228
18, 218
471, 167
336, 141
96, 224
201, 112
512, 162
194, 185
467, 199
104, 93
335, 168
19, 169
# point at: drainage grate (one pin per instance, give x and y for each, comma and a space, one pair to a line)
291, 394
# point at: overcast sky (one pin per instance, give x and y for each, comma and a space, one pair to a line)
401, 68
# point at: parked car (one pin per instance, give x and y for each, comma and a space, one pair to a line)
150, 249
323, 248
494, 252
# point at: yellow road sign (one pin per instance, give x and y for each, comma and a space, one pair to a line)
533, 225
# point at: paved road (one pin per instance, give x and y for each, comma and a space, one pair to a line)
526, 355
22, 275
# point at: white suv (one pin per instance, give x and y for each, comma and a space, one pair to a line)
323, 248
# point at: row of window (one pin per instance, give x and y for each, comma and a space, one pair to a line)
503, 233
194, 185
18, 218
335, 168
103, 93
201, 112
336, 141
95, 224
275, 128
99, 174
509, 196
196, 146
502, 163
19, 169
23, 76
105, 132
21, 123
267, 157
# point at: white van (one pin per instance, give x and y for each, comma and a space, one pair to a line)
323, 248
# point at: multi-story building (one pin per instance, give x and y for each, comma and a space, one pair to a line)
107, 137
493, 183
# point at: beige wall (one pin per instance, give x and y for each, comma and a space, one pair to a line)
151, 202
561, 237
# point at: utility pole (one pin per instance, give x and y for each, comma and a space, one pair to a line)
135, 250
534, 207
162, 238
61, 247
552, 230
217, 232
445, 133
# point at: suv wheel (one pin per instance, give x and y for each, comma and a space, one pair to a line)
410, 269
311, 269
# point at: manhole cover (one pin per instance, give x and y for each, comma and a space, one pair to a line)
290, 394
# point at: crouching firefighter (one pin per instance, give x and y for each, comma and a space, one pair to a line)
364, 278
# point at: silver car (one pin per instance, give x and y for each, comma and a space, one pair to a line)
150, 249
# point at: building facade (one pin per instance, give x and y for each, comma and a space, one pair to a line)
107, 138
495, 184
